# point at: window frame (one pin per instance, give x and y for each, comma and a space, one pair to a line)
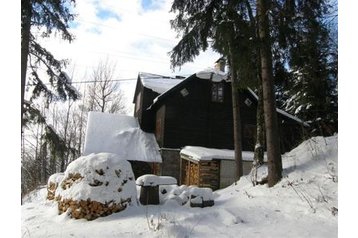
217, 92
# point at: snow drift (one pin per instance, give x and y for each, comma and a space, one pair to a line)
303, 204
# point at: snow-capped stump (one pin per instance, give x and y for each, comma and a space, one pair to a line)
149, 192
201, 197
52, 184
96, 185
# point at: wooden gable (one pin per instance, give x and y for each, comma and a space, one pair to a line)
189, 115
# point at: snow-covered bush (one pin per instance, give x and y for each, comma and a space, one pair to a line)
96, 185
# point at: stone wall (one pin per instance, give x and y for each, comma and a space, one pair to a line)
171, 162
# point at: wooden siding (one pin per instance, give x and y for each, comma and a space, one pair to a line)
291, 133
146, 118
209, 174
200, 173
188, 116
159, 125
196, 120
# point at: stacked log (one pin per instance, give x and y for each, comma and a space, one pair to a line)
52, 185
88, 209
67, 183
51, 190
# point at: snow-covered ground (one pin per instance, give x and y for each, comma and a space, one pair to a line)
303, 204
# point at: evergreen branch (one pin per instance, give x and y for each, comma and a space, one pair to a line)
186, 50
52, 15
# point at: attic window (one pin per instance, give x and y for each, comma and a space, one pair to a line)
248, 102
184, 92
217, 92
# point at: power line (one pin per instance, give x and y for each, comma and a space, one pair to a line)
100, 81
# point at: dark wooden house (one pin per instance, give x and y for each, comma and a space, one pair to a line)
197, 111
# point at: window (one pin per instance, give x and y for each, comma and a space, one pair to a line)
217, 92
184, 92
248, 102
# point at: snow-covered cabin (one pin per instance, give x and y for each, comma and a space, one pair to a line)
122, 135
197, 111
213, 168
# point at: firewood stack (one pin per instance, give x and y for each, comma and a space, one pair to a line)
51, 189
89, 210
93, 186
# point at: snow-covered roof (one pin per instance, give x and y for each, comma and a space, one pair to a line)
158, 83
280, 111
199, 153
213, 74
161, 85
121, 135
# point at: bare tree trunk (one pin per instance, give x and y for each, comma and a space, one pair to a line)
236, 114
81, 124
63, 159
272, 133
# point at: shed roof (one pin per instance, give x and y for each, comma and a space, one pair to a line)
120, 134
199, 153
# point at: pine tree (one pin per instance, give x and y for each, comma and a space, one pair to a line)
272, 133
47, 16
310, 88
200, 21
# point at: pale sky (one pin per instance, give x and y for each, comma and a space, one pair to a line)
134, 34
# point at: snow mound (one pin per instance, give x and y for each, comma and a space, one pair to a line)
317, 156
97, 181
197, 197
120, 134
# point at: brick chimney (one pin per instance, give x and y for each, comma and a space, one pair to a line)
220, 64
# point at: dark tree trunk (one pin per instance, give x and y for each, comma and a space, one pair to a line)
272, 133
236, 114
260, 128
25, 42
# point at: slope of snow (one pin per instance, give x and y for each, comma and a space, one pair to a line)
302, 204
